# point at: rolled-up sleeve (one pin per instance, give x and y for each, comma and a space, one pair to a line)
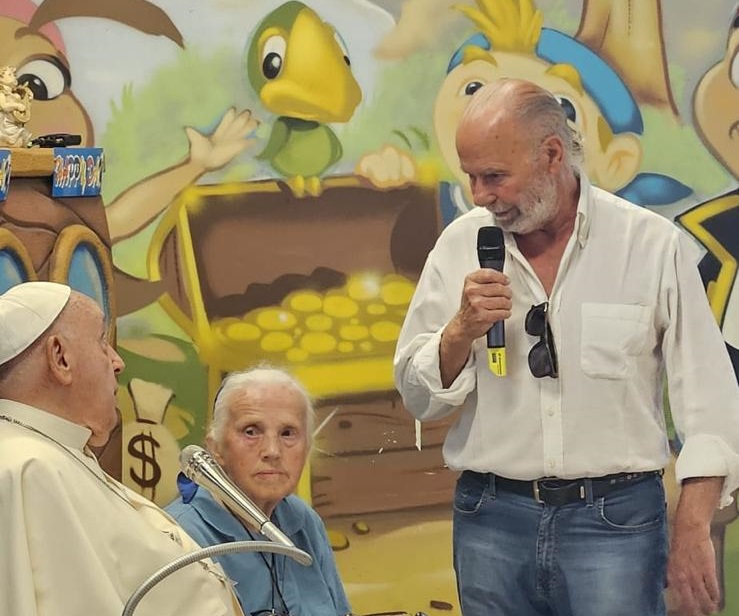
702, 385
708, 455
416, 363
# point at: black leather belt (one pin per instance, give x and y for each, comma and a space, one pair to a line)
558, 492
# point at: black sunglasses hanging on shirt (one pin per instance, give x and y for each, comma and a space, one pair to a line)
543, 355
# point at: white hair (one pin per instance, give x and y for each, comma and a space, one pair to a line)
253, 378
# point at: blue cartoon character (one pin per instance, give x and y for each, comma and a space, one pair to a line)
511, 42
300, 69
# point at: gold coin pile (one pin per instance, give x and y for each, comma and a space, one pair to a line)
360, 319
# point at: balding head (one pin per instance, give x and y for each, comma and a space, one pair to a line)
526, 108
497, 101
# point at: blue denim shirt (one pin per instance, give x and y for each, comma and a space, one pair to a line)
308, 591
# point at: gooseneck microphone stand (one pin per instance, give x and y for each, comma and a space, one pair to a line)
214, 550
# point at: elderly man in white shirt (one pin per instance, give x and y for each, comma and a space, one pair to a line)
76, 542
560, 508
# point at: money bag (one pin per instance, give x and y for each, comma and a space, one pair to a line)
150, 451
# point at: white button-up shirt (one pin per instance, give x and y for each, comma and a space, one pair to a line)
627, 308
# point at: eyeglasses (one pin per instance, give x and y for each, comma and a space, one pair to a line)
543, 355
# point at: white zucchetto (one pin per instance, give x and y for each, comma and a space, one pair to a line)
27, 310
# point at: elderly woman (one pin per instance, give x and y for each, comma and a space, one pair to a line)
260, 434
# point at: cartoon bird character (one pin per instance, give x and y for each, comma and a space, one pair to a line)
300, 69
597, 101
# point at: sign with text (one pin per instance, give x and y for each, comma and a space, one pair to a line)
78, 172
4, 174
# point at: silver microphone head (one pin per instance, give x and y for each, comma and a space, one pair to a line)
199, 466
194, 459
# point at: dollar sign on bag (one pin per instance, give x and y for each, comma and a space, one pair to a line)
150, 451
143, 447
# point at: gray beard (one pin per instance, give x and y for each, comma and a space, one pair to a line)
538, 207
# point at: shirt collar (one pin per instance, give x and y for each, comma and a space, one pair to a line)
187, 488
583, 217
70, 434
584, 210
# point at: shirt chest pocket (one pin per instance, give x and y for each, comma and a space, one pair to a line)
612, 335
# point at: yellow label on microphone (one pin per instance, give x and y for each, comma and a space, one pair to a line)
496, 361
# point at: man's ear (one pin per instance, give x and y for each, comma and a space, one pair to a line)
554, 151
58, 360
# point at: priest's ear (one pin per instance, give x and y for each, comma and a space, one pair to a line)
58, 358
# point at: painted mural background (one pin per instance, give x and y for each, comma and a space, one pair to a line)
273, 184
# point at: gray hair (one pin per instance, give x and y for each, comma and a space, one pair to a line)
255, 377
533, 107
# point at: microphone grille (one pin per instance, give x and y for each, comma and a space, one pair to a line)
489, 238
192, 458
490, 245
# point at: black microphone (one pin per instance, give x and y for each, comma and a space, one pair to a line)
491, 254
200, 467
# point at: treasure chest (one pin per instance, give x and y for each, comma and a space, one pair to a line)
319, 285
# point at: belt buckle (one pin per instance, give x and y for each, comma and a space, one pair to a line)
537, 496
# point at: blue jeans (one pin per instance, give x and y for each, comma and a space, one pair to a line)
516, 557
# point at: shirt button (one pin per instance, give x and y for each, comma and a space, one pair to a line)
551, 412
551, 463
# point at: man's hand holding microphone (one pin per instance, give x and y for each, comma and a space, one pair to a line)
486, 303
